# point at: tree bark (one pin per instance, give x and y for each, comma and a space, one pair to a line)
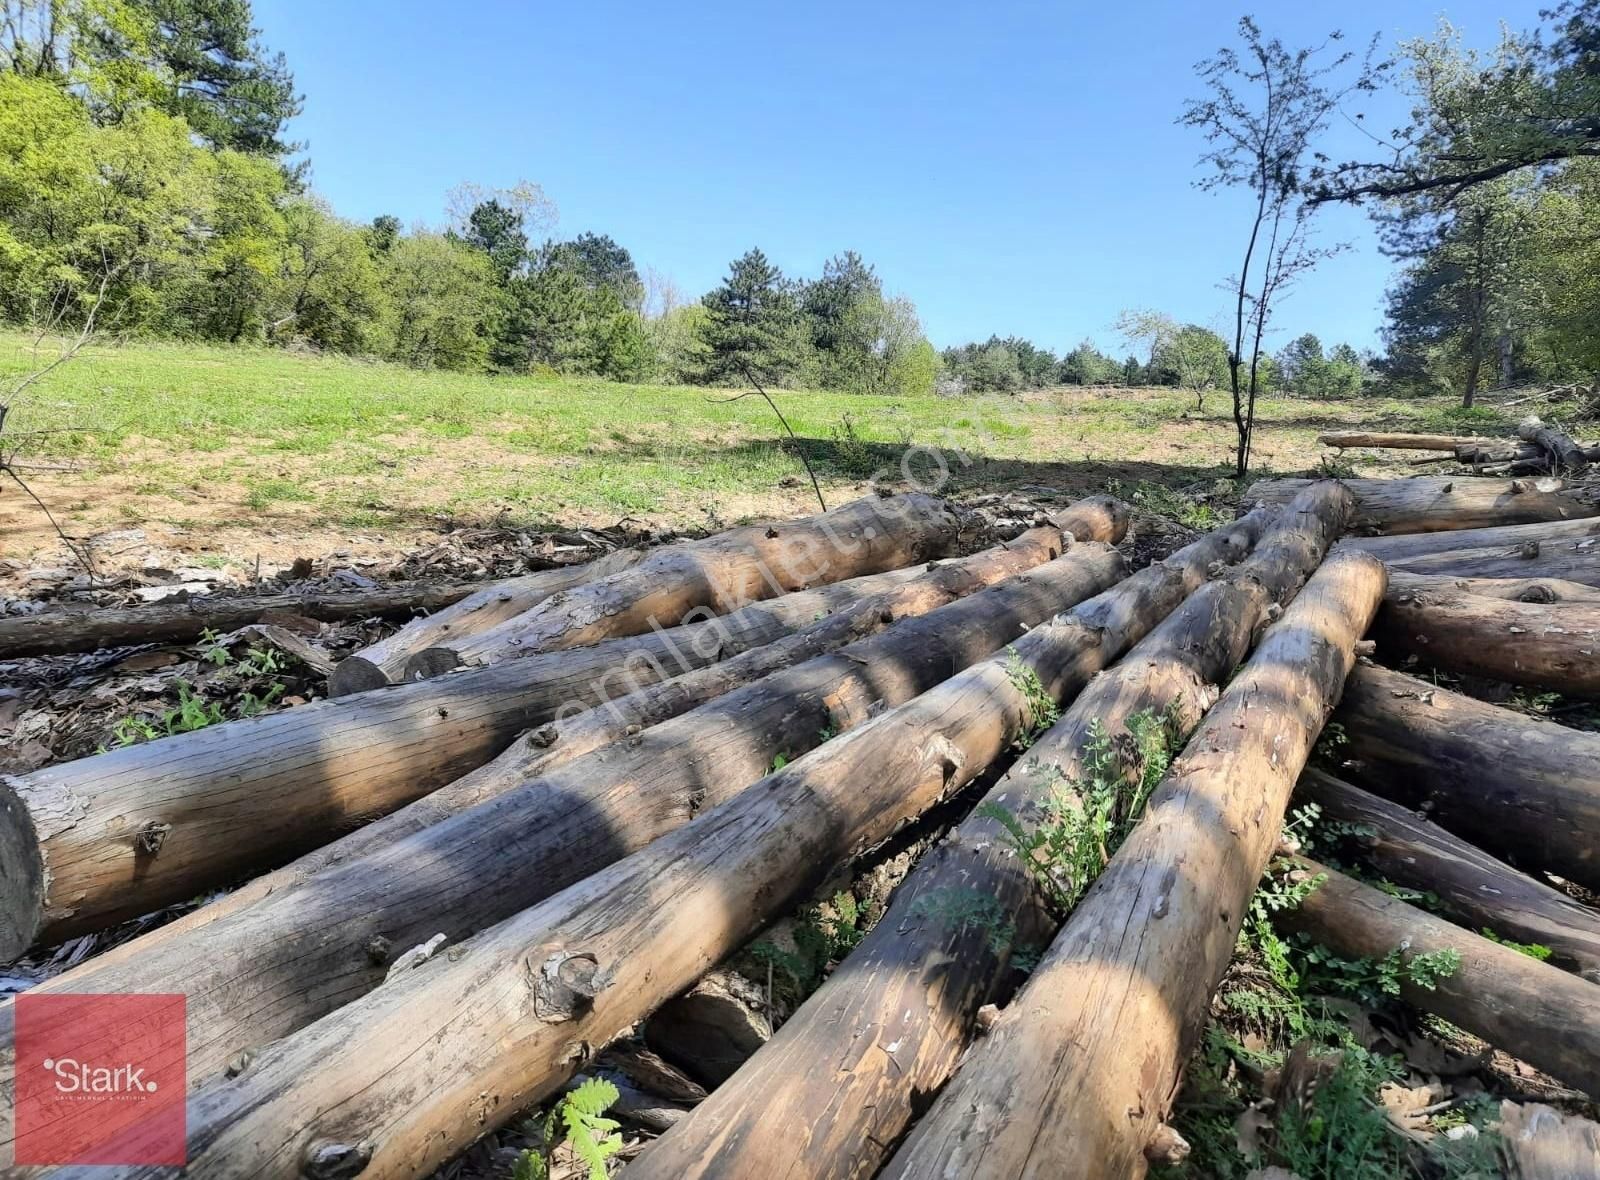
56, 631
1558, 447
1514, 537
1538, 645
284, 959
1532, 1010
1474, 887
842, 1080
680, 583
1402, 442
1523, 789
402, 1078
301, 778
1081, 1068
1572, 561
1441, 503
1515, 589
383, 663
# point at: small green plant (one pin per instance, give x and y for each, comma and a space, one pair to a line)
1188, 511
579, 1120
961, 909
779, 761
1373, 980
1084, 821
1534, 950
820, 935
1042, 711
1335, 467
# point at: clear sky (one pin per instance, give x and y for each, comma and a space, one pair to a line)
1013, 167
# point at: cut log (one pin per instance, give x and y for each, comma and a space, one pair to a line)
1532, 1010
1401, 442
1094, 518
1079, 1071
1438, 503
712, 1029
1515, 589
1540, 645
1542, 1143
261, 970
1524, 789
402, 1078
1514, 538
57, 631
1472, 885
384, 662
1563, 453
700, 579
1572, 561
860, 607
298, 779
845, 1075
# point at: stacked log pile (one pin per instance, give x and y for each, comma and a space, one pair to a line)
531, 819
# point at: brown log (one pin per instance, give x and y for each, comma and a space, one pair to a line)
1540, 645
1473, 886
301, 778
1401, 442
55, 631
700, 579
1442, 503
1524, 789
264, 969
1563, 453
383, 663
1543, 1143
844, 1077
1513, 538
402, 1078
1570, 561
1515, 589
1081, 1068
1530, 1009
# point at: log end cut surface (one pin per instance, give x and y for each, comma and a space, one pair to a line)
21, 874
355, 674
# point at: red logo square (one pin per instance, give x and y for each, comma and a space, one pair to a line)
100, 1079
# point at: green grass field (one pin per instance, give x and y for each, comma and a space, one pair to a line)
252, 439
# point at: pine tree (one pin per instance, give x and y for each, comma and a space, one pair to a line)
751, 328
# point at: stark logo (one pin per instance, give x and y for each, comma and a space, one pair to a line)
100, 1079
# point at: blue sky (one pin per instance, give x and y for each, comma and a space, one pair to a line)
1012, 167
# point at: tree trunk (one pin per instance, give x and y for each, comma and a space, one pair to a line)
401, 1079
1401, 442
1513, 537
1562, 452
1532, 1010
680, 583
1572, 561
1538, 645
838, 1086
1523, 789
1514, 589
57, 631
1443, 503
1081, 1068
1474, 887
287, 958
301, 778
383, 663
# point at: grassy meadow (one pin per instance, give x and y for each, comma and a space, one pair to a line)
243, 446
